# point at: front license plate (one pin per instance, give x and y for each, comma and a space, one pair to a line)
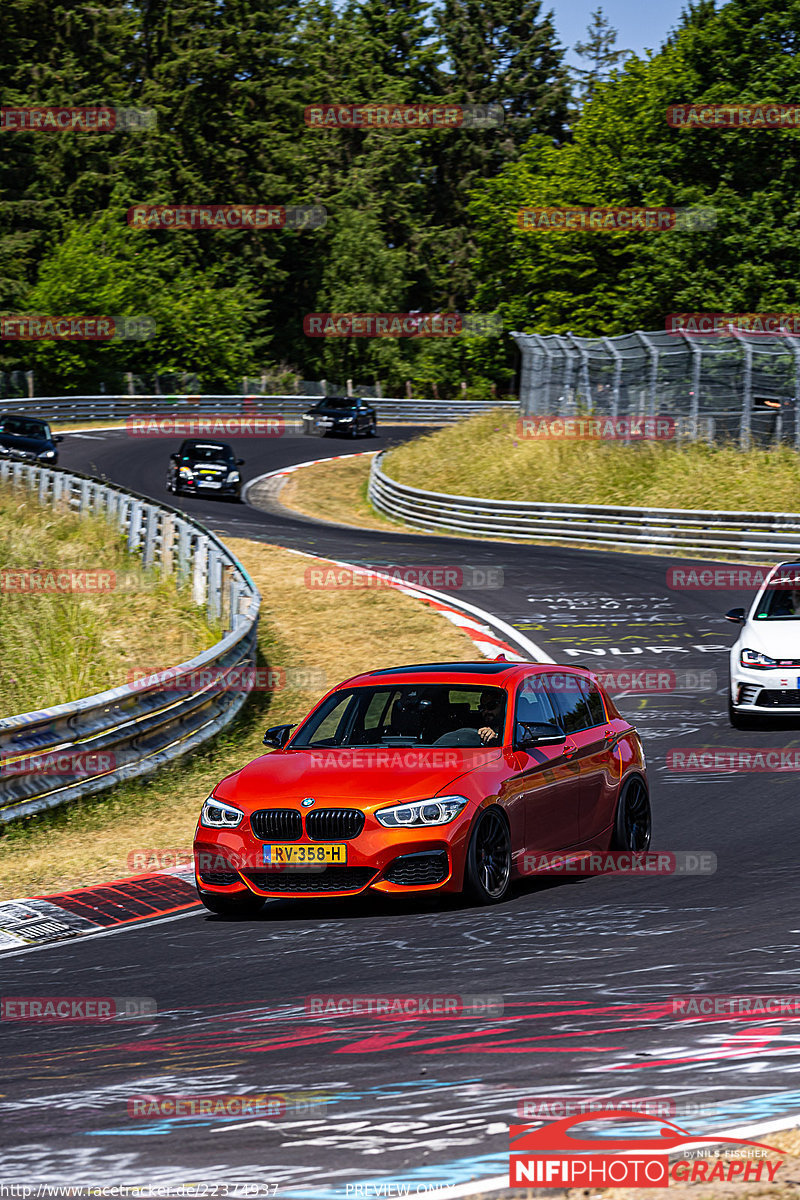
208, 483
282, 855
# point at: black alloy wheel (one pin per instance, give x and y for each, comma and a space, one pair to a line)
488, 870
633, 824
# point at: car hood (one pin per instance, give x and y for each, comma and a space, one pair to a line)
776, 639
344, 777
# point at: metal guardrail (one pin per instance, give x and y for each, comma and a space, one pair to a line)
694, 531
131, 730
100, 408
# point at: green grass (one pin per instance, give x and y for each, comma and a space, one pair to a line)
60, 646
484, 456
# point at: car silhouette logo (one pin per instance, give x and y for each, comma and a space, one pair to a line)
309, 800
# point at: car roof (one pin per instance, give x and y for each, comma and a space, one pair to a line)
484, 673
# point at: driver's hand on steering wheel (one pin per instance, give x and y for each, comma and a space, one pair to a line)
486, 734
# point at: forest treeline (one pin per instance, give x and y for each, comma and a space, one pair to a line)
418, 220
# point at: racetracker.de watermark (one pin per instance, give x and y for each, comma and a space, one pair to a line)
403, 116
722, 324
395, 759
612, 219
59, 119
38, 328
242, 678
390, 574
623, 680
657, 428
220, 218
623, 862
402, 325
767, 115
730, 579
63, 764
211, 425
54, 580
217, 1105
733, 758
713, 1004
403, 1006
76, 1009
533, 1108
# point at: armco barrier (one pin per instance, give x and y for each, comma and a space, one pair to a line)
130, 730
116, 408
694, 531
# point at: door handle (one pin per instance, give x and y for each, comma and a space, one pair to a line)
569, 749
609, 736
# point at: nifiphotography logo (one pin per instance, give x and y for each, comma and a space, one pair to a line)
550, 1156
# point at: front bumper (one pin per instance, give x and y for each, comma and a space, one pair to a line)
770, 690
380, 860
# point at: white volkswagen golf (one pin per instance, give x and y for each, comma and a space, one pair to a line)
765, 660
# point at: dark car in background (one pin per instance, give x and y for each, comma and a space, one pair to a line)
202, 467
28, 439
341, 414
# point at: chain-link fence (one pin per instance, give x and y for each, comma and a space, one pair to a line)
741, 388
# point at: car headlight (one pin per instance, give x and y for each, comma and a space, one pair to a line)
186, 472
754, 658
233, 477
218, 814
438, 811
47, 454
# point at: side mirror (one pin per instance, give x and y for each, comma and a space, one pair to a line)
58, 438
736, 615
539, 733
240, 462
173, 458
278, 736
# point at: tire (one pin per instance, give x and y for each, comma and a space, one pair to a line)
373, 429
487, 876
245, 904
633, 822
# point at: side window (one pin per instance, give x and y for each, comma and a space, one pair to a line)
569, 702
594, 700
533, 705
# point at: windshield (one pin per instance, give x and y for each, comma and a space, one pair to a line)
339, 402
24, 428
216, 454
781, 599
407, 715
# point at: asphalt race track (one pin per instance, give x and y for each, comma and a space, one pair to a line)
580, 974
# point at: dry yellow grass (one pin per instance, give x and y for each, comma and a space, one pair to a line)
484, 456
335, 491
59, 646
333, 634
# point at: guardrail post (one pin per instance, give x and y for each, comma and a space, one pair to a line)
214, 574
150, 531
200, 570
44, 479
134, 524
167, 544
228, 574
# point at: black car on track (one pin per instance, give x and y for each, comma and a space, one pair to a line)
201, 467
28, 439
341, 414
